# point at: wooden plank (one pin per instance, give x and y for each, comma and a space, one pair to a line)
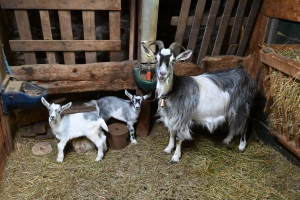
237, 22
46, 26
208, 30
223, 27
132, 29
288, 10
25, 33
104, 71
65, 25
65, 45
115, 32
174, 21
295, 128
290, 145
248, 29
281, 63
196, 26
62, 4
232, 49
89, 33
184, 11
61, 87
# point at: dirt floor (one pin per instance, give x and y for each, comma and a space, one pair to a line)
207, 170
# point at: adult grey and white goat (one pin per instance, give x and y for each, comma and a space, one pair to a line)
68, 126
209, 99
121, 109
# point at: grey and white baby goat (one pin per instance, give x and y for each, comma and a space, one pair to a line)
121, 109
209, 99
68, 126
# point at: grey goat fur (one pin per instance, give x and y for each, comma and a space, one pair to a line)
210, 99
124, 110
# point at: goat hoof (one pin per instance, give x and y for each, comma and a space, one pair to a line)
174, 161
98, 159
59, 160
227, 140
167, 151
133, 142
242, 146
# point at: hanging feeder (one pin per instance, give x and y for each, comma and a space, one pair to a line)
144, 77
20, 94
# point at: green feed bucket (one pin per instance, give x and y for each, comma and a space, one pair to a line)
139, 78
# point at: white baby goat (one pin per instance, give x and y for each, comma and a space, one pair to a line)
68, 126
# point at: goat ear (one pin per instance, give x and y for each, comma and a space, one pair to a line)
184, 55
147, 51
103, 124
45, 102
128, 94
64, 107
147, 96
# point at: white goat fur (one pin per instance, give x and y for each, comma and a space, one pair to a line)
68, 126
208, 99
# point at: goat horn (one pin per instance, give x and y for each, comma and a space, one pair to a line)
159, 43
174, 45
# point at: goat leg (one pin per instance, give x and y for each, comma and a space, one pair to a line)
60, 146
177, 153
171, 144
131, 132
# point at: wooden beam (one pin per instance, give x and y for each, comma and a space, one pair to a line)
104, 71
65, 45
281, 63
62, 4
288, 10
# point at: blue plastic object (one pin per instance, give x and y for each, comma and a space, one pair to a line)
20, 94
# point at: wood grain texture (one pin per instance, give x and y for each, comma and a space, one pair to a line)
25, 33
89, 33
283, 9
62, 4
65, 25
65, 45
46, 26
281, 63
103, 71
115, 32
208, 29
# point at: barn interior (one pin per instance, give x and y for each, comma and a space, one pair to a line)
85, 50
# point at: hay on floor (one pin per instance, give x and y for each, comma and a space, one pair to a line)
207, 170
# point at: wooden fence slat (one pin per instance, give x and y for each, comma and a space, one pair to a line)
174, 21
196, 26
295, 128
115, 32
45, 20
89, 33
184, 11
65, 45
132, 29
237, 24
66, 33
223, 27
62, 4
208, 30
252, 16
25, 33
